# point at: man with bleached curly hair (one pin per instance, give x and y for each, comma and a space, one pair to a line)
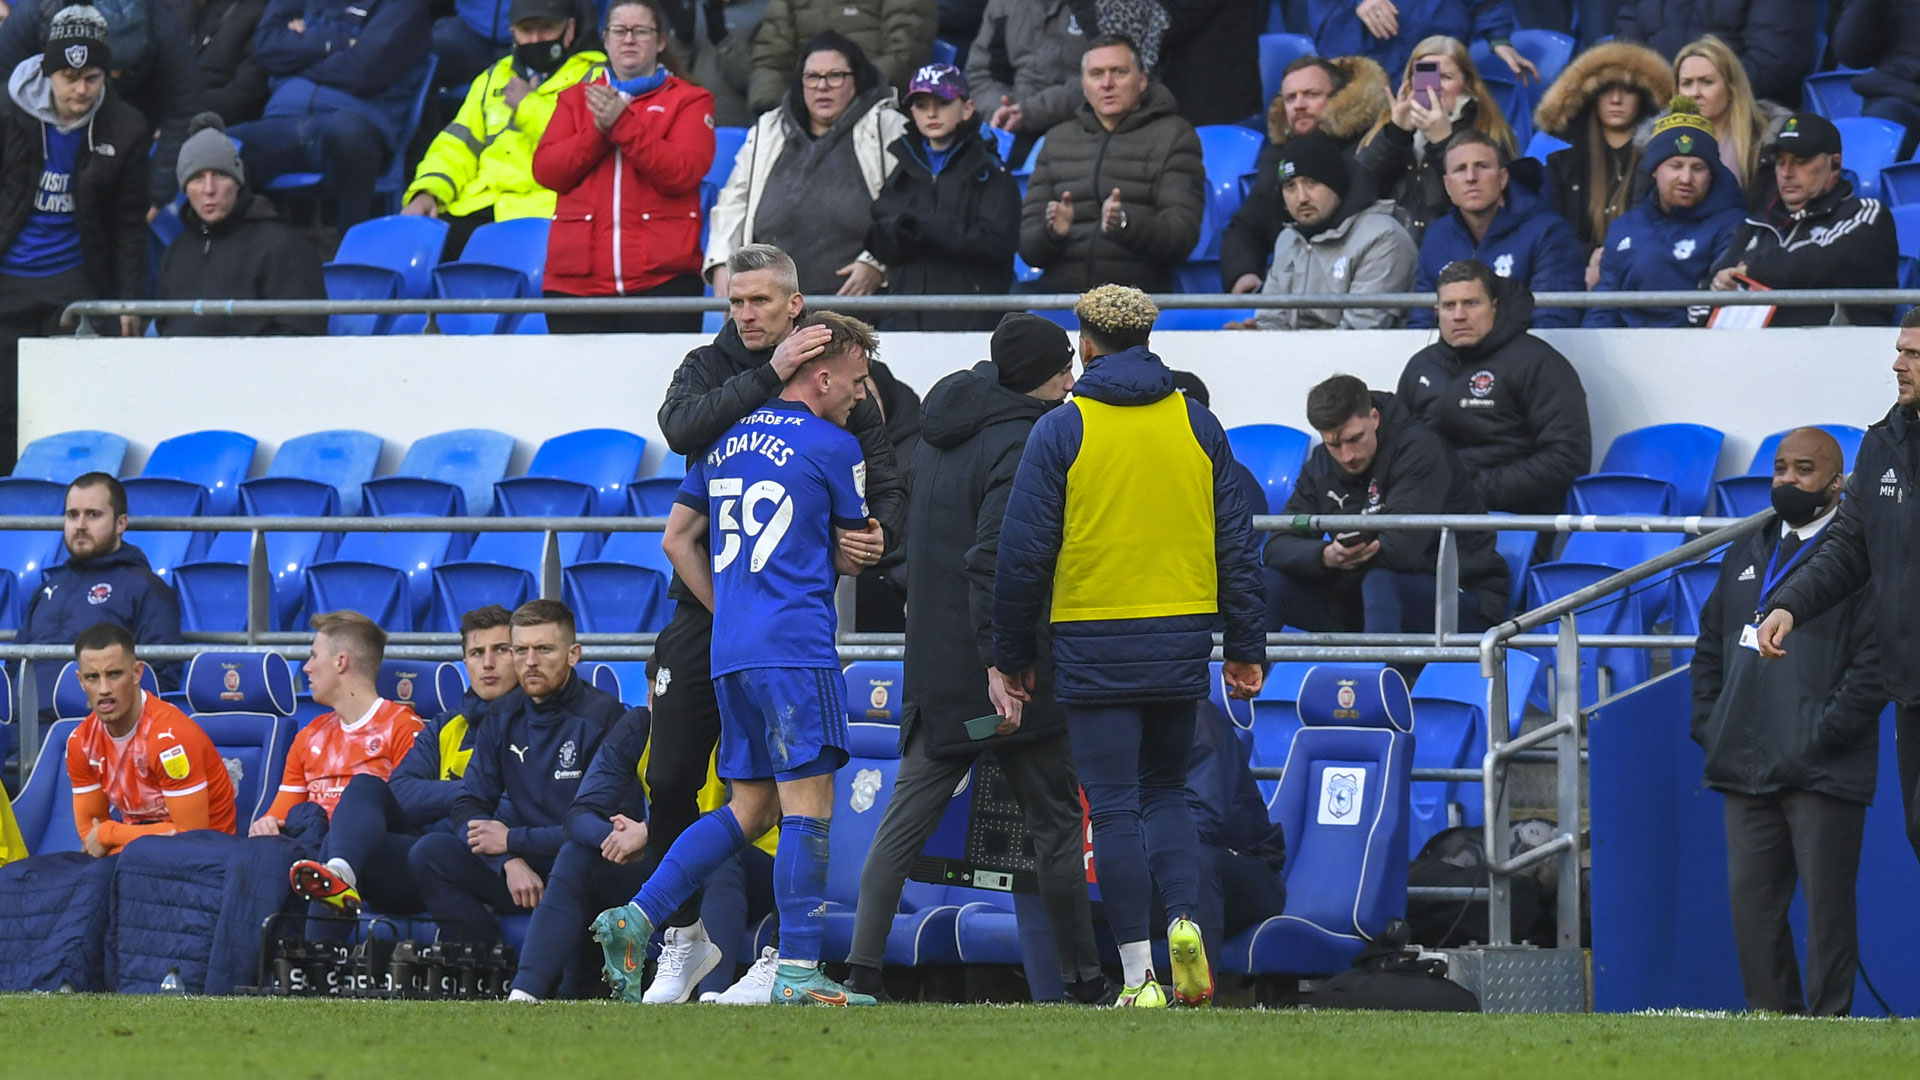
1126, 519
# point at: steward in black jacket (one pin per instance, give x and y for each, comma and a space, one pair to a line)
1412, 472
1835, 241
248, 255
948, 233
1510, 406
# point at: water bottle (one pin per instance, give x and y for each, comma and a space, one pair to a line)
171, 984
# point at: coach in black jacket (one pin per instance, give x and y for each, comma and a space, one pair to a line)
1875, 538
1510, 406
1793, 744
1376, 459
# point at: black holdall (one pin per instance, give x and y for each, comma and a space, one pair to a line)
1391, 976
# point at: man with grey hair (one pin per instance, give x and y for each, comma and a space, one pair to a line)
715, 387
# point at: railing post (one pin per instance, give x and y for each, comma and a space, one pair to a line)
843, 604
1567, 746
550, 586
1498, 809
1446, 588
259, 589
28, 717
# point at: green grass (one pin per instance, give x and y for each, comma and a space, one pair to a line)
96, 1037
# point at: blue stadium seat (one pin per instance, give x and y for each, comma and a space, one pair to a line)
503, 260
1276, 718
149, 496
876, 691
476, 582
23, 557
1001, 139
653, 497
44, 808
1899, 185
1196, 276
1228, 151
1626, 613
1549, 50
213, 595
1343, 807
1738, 496
1692, 584
670, 465
1831, 94
630, 681
635, 549
1240, 712
604, 459
245, 704
1065, 317
378, 592
1515, 548
392, 182
726, 147
1618, 493
1542, 145
1848, 436
22, 496
616, 598
1021, 173
1277, 50
1274, 453
427, 687
944, 52
1869, 144
450, 473
1906, 227
389, 258
1618, 550
70, 698
341, 459
216, 460
1201, 318
288, 553
60, 458
1680, 456
1450, 701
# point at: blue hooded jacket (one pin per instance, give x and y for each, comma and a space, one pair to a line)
1649, 249
360, 57
1337, 31
1148, 657
1527, 242
119, 587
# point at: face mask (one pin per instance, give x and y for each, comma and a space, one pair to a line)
539, 59
1796, 505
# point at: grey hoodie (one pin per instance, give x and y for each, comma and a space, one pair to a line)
1368, 251
32, 90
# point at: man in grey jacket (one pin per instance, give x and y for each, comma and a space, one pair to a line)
1024, 67
1339, 241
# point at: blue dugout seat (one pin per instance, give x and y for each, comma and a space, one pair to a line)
653, 497
503, 260
245, 703
44, 808
875, 691
1663, 469
1274, 453
446, 474
616, 598
152, 496
1738, 496
62, 457
341, 459
380, 593
427, 687
1692, 584
1450, 701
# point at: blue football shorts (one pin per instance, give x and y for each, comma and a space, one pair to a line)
781, 723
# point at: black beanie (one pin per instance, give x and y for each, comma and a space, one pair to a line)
76, 39
1029, 350
1316, 157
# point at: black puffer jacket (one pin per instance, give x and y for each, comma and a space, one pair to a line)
1153, 157
1875, 537
1836, 241
1412, 178
950, 234
1885, 36
1774, 39
248, 255
1210, 58
236, 85
973, 431
1808, 722
1511, 407
1413, 472
109, 188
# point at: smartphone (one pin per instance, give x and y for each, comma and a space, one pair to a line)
1426, 79
1356, 539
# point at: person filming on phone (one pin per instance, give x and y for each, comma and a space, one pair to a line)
1375, 458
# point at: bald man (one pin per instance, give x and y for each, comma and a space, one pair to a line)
1793, 743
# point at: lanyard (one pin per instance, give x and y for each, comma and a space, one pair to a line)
1774, 578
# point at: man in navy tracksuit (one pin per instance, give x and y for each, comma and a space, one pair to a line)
376, 822
509, 821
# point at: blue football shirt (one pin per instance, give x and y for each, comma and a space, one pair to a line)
773, 488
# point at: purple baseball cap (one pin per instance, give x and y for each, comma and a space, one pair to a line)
943, 81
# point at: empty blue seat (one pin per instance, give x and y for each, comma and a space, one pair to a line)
1543, 145
23, 557
341, 459
1643, 463
1450, 701
1344, 809
213, 597
1906, 227
503, 260
1831, 94
1624, 613
1276, 52
1274, 453
462, 586
726, 147
1515, 548
875, 691
1738, 496
1692, 584
1228, 152
44, 807
22, 496
605, 460
1001, 139
1869, 144
449, 473
1618, 550
378, 592
245, 704
60, 458
1200, 318
216, 460
635, 549
389, 258
653, 497
150, 496
1550, 52
1899, 186
428, 687
944, 52
616, 598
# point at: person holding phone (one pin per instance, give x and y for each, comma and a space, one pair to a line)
1375, 458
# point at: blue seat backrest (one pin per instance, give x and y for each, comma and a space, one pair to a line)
341, 459
70, 698
605, 459
1618, 549
1848, 436
1277, 50
254, 748
1543, 146
216, 460
630, 676
636, 549
1831, 94
599, 676
861, 790
407, 244
874, 691
472, 459
1683, 454
23, 496
44, 808
1274, 453
517, 244
427, 687
1463, 683
63, 457
1871, 144
219, 682
653, 497
1549, 50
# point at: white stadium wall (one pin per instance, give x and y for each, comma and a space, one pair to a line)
1747, 383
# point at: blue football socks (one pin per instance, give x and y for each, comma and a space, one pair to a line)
799, 885
707, 843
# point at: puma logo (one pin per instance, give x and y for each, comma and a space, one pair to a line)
519, 752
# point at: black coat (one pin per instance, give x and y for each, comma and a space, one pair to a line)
1210, 58
1414, 180
1413, 472
1773, 38
973, 431
1883, 35
1835, 242
1875, 537
1566, 188
249, 255
951, 234
1810, 721
236, 85
109, 190
1522, 432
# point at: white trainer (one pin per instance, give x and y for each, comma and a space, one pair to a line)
755, 987
686, 956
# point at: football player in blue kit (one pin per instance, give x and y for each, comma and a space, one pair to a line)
755, 533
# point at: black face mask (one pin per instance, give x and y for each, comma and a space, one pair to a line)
1796, 505
538, 59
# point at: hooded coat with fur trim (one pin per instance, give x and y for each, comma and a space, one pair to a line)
1564, 112
1248, 241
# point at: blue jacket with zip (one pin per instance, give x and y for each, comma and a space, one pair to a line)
362, 57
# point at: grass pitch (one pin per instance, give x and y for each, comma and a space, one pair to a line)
92, 1037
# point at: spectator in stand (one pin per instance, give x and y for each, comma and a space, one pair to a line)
73, 195
104, 579
1024, 67
153, 70
1815, 234
1338, 98
714, 39
1597, 105
809, 171
1375, 458
1383, 30
1144, 217
1709, 73
1405, 153
1774, 39
895, 36
236, 84
1501, 218
232, 246
1337, 242
479, 32
1207, 52
479, 169
1508, 405
960, 22
1674, 236
625, 152
345, 77
1793, 744
948, 220
1884, 35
